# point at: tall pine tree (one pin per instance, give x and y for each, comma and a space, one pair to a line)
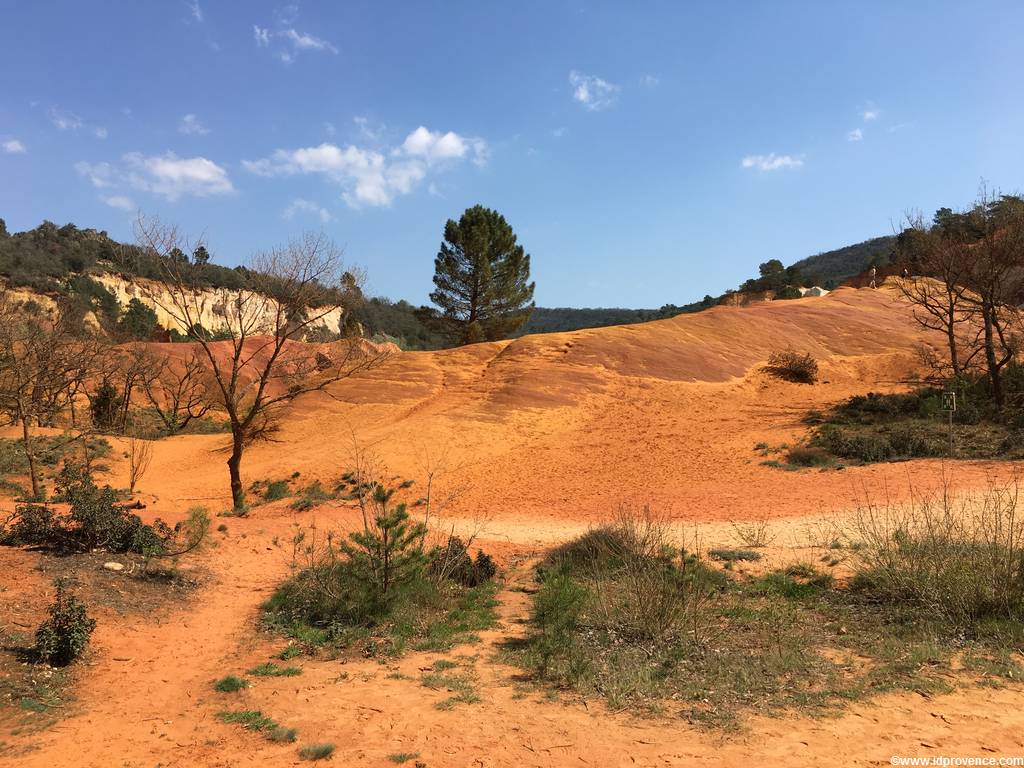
482, 278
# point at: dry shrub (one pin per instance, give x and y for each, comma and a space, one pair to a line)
789, 365
961, 558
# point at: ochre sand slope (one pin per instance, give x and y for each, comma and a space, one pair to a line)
544, 435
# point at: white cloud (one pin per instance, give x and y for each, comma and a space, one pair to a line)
14, 147
771, 162
650, 82
119, 201
308, 42
100, 175
170, 177
855, 135
64, 121
305, 206
99, 132
366, 130
437, 146
190, 126
166, 175
560, 132
292, 40
196, 10
870, 114
593, 92
369, 177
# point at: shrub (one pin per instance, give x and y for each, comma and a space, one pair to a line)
97, 521
452, 561
809, 456
64, 636
270, 669
252, 719
316, 751
730, 555
230, 684
281, 734
962, 560
278, 489
311, 496
792, 366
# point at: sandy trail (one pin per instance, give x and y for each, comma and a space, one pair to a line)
544, 436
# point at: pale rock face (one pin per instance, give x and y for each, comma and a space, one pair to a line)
211, 304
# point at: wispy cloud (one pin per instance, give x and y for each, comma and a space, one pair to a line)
369, 177
197, 11
99, 132
650, 82
771, 162
64, 121
289, 39
855, 135
306, 206
122, 202
167, 176
13, 147
191, 126
560, 132
593, 92
869, 112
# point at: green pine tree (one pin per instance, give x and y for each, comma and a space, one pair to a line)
387, 554
138, 322
482, 278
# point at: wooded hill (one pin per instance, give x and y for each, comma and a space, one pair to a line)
59, 261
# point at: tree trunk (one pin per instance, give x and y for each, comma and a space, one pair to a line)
990, 359
27, 440
234, 469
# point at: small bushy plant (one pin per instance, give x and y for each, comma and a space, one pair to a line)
796, 367
64, 636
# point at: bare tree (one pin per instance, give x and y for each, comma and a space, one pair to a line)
262, 366
42, 365
940, 302
177, 392
140, 454
976, 261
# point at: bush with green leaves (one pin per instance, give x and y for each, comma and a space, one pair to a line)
65, 634
97, 520
382, 586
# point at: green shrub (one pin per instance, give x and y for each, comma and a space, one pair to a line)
311, 496
252, 719
64, 636
97, 520
270, 669
282, 734
809, 456
316, 751
962, 559
230, 684
453, 562
730, 555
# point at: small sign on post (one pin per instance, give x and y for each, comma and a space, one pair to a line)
949, 406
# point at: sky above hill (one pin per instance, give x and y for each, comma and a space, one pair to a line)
645, 153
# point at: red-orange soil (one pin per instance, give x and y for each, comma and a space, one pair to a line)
542, 436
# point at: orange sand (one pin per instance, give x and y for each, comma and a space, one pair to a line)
543, 435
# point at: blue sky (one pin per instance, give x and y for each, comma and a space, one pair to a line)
645, 153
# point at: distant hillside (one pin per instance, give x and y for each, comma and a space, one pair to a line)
830, 268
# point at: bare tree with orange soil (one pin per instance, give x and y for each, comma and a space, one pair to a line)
257, 362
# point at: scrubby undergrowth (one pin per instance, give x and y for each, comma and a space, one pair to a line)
623, 615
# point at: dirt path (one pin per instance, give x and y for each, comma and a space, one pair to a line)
147, 700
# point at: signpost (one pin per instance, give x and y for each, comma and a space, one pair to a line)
949, 405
